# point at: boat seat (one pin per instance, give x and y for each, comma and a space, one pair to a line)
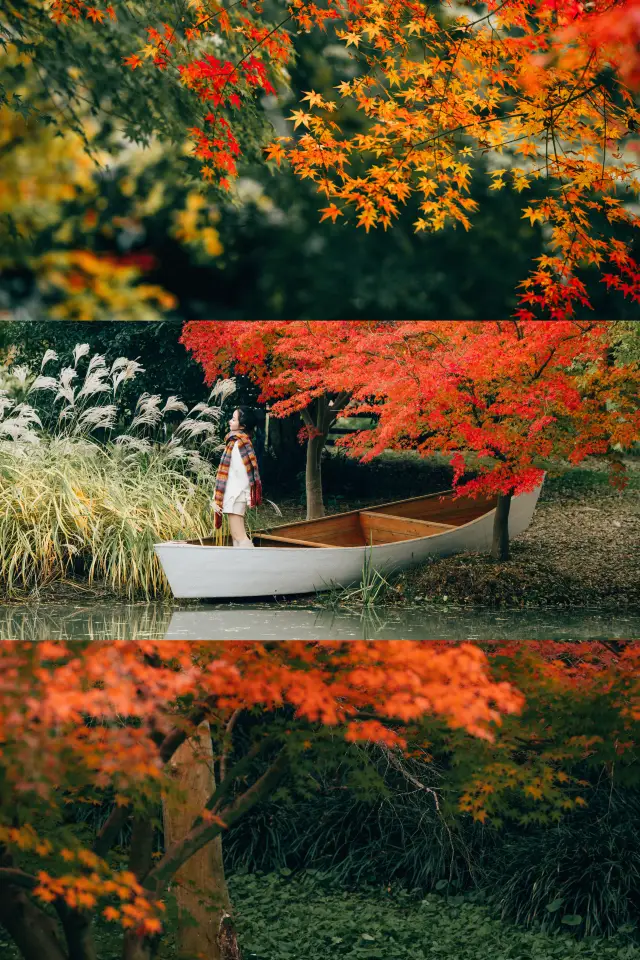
379, 527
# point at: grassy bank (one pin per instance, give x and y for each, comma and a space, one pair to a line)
79, 528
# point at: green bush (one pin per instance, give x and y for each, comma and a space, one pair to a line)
584, 873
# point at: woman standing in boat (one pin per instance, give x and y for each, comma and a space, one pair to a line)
238, 483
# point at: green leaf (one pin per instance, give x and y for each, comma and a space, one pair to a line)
554, 905
442, 884
572, 920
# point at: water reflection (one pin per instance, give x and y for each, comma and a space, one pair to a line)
270, 622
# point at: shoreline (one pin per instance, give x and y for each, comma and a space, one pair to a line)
582, 551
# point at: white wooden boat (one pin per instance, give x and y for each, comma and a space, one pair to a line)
315, 555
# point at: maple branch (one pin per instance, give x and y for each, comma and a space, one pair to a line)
181, 851
141, 847
307, 418
109, 831
226, 740
223, 789
18, 878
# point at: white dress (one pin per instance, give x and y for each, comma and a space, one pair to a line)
237, 492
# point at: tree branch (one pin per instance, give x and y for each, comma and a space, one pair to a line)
18, 878
226, 742
110, 830
181, 851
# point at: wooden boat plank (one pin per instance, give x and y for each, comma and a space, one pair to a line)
337, 531
450, 512
386, 528
409, 522
289, 541
402, 504
443, 505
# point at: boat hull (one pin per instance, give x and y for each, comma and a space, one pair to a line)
197, 571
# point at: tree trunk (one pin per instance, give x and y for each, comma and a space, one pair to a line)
199, 886
313, 476
78, 930
500, 544
136, 948
34, 933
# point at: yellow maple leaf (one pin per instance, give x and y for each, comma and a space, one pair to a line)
300, 117
331, 212
315, 100
533, 215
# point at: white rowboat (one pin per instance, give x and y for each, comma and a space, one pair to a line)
315, 555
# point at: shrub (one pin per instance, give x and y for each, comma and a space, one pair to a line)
583, 874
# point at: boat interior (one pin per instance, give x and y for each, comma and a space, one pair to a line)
385, 523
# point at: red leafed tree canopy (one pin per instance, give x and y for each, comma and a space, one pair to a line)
544, 88
95, 717
503, 397
103, 720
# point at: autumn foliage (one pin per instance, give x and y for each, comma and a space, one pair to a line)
544, 88
77, 721
92, 721
503, 399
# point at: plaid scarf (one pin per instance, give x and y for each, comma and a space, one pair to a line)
248, 455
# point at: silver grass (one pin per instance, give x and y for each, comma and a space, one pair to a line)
94, 383
197, 464
175, 451
18, 431
27, 414
68, 394
174, 403
149, 413
134, 443
97, 417
204, 410
21, 374
127, 372
43, 383
48, 356
118, 363
223, 389
195, 428
6, 403
80, 350
97, 360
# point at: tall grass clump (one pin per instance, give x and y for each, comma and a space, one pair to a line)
87, 488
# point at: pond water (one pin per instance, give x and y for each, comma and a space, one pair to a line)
277, 622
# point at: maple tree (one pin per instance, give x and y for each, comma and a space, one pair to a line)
502, 398
540, 87
268, 352
82, 722
79, 720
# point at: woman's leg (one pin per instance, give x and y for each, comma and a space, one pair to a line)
237, 529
